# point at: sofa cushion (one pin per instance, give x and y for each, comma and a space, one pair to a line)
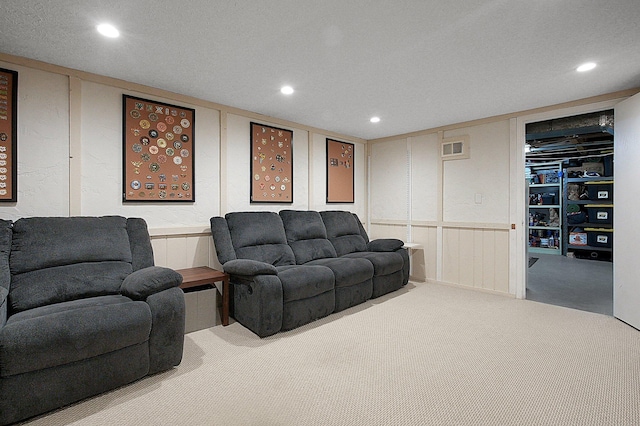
57, 259
222, 239
343, 231
5, 248
139, 243
306, 235
260, 236
347, 271
37, 242
384, 263
302, 225
64, 283
303, 282
71, 331
5, 272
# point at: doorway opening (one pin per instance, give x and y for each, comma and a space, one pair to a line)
569, 172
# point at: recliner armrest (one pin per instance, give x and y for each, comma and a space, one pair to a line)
247, 267
147, 281
385, 244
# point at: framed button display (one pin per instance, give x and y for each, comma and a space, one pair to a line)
340, 159
158, 151
8, 135
271, 164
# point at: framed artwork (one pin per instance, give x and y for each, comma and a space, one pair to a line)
158, 151
340, 163
8, 135
271, 164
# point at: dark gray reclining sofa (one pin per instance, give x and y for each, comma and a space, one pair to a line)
82, 311
292, 268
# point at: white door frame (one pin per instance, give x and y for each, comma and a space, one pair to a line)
518, 240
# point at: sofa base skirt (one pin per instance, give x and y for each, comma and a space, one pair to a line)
353, 295
387, 283
299, 312
37, 392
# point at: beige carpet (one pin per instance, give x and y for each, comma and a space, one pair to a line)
425, 355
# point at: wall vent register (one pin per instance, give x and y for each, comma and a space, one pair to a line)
455, 148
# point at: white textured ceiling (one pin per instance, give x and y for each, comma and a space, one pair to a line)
416, 64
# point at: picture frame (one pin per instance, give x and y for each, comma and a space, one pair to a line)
340, 164
158, 151
271, 164
8, 135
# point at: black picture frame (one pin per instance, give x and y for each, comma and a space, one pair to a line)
271, 178
158, 151
8, 135
340, 164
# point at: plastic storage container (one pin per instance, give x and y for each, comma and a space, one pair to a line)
599, 237
600, 191
600, 213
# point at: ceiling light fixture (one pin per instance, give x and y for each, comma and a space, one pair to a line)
586, 67
375, 119
108, 30
286, 90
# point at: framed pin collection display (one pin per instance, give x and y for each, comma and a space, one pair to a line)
340, 158
271, 164
8, 135
158, 151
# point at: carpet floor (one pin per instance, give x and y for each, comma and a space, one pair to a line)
425, 355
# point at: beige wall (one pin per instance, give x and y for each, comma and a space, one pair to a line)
457, 210
485, 175
70, 160
467, 215
461, 212
101, 175
43, 145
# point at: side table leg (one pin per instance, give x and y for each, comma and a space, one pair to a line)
225, 302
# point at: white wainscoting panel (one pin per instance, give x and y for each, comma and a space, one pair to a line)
477, 258
183, 248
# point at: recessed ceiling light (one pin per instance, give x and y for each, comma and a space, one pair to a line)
375, 119
287, 90
108, 30
586, 67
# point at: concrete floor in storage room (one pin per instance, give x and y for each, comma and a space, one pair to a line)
571, 282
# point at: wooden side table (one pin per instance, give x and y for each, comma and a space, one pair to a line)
203, 275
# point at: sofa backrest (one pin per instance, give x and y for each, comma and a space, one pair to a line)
343, 230
306, 235
5, 273
259, 236
222, 239
57, 259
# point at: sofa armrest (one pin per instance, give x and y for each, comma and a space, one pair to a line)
147, 281
385, 244
249, 268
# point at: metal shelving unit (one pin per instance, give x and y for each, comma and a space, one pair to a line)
593, 203
545, 196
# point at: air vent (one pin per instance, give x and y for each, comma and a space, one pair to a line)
455, 148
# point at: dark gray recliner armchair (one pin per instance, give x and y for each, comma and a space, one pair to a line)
82, 311
269, 291
349, 238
